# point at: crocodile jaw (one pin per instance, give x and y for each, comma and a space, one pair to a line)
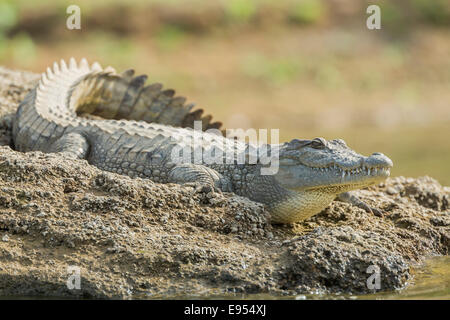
336, 168
298, 205
309, 189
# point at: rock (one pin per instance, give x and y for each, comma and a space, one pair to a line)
391, 191
137, 238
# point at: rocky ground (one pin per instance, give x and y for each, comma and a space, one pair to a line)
136, 238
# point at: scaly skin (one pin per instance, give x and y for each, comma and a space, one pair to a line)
76, 110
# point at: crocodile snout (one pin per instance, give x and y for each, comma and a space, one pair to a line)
377, 159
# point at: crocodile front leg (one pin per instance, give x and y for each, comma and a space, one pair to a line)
73, 145
203, 178
349, 197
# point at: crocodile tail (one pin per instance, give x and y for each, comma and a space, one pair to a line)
107, 94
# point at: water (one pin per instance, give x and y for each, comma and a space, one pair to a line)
430, 281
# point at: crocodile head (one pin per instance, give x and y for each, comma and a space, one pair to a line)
311, 173
328, 165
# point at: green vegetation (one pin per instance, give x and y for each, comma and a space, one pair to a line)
326, 75
436, 11
169, 38
118, 49
240, 10
8, 15
22, 49
282, 70
275, 71
19, 47
307, 11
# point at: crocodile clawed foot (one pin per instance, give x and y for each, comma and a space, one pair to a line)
203, 179
376, 212
354, 200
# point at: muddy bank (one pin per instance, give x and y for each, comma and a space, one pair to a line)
132, 237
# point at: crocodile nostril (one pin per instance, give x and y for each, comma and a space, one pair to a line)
377, 154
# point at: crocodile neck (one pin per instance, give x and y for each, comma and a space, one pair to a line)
287, 205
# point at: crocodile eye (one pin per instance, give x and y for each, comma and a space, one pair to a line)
318, 143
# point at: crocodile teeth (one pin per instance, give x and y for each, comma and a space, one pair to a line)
84, 64
49, 73
44, 78
96, 66
55, 68
63, 65
72, 64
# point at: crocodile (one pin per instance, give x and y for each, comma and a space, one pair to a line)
119, 124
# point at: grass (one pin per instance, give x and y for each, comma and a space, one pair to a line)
169, 38
8, 15
437, 11
307, 11
240, 10
277, 71
118, 49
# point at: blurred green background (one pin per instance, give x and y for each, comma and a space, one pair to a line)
308, 67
